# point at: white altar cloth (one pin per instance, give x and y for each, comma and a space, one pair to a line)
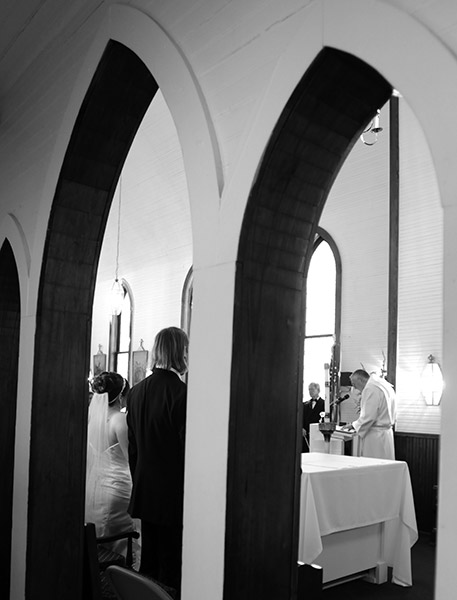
340, 493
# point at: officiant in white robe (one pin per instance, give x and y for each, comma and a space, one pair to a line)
377, 415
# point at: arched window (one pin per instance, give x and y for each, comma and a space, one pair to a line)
323, 311
121, 336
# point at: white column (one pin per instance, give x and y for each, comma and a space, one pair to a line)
447, 490
207, 433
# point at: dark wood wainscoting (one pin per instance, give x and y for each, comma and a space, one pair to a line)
421, 452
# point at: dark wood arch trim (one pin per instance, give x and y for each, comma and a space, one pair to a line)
10, 317
325, 115
116, 101
394, 239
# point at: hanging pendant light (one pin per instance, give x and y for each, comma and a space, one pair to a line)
117, 291
370, 135
116, 298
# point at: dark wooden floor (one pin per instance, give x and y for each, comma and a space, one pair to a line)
423, 570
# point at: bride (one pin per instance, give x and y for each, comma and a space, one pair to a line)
108, 480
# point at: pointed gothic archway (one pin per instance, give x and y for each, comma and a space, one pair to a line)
327, 111
117, 99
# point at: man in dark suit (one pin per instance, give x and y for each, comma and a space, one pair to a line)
311, 410
156, 420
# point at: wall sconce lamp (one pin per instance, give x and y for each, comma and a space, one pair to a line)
372, 130
117, 291
432, 382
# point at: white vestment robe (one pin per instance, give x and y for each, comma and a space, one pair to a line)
377, 418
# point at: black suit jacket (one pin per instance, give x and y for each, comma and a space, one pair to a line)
156, 419
311, 415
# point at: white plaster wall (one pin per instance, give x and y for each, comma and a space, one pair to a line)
420, 294
356, 215
155, 249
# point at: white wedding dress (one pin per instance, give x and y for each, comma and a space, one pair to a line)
108, 480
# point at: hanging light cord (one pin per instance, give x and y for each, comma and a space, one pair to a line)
118, 230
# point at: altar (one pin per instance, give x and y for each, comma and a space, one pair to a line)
357, 517
341, 442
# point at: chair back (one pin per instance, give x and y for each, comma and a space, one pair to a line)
91, 581
130, 585
97, 558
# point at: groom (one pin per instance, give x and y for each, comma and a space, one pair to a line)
311, 410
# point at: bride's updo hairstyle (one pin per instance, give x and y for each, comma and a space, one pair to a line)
170, 350
110, 383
